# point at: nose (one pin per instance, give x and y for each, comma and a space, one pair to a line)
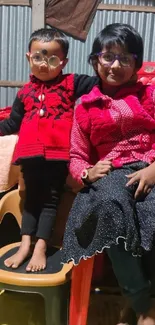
44, 64
115, 64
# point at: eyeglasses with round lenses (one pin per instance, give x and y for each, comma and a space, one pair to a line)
108, 58
38, 58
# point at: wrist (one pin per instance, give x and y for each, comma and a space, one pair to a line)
85, 176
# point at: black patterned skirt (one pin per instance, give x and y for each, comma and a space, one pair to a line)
106, 211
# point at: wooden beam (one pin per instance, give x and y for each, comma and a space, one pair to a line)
12, 84
126, 8
15, 3
38, 14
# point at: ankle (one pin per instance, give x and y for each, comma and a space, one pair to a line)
26, 240
127, 316
41, 243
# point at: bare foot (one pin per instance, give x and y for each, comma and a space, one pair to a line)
38, 260
148, 319
18, 258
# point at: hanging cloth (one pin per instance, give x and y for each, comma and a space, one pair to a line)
73, 17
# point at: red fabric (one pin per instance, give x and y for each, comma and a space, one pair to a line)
147, 73
5, 112
49, 135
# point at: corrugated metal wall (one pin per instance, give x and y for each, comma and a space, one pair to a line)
15, 29
130, 2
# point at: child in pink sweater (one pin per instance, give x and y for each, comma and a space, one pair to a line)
113, 155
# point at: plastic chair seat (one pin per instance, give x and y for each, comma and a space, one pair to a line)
54, 287
49, 285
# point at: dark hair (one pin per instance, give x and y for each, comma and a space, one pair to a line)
48, 35
120, 34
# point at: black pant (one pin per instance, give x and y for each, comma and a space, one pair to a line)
44, 181
131, 277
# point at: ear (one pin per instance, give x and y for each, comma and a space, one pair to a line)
28, 56
94, 64
65, 61
134, 76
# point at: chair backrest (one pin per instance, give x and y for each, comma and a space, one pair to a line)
12, 202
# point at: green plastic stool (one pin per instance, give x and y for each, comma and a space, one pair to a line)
53, 283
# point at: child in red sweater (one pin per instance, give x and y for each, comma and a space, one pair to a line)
42, 114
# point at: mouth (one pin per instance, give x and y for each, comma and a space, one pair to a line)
115, 76
43, 72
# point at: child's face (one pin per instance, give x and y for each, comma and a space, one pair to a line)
116, 66
46, 59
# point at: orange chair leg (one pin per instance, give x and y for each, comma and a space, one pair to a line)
80, 292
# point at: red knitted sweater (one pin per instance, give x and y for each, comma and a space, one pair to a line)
47, 135
42, 113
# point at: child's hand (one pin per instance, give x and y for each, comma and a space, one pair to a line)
101, 169
145, 179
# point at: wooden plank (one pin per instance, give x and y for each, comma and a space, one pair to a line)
126, 8
15, 2
12, 84
38, 14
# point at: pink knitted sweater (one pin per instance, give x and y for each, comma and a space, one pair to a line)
120, 128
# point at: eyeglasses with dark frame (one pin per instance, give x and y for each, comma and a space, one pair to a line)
108, 58
38, 58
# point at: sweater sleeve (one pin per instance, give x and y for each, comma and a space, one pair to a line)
12, 124
83, 84
80, 152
